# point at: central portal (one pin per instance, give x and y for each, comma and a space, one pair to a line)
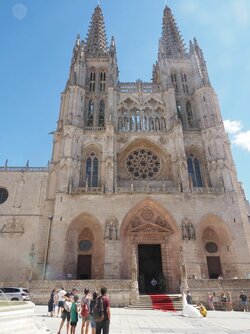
150, 268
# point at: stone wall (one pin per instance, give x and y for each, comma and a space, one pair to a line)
119, 291
200, 288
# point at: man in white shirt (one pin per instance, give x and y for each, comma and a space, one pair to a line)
61, 295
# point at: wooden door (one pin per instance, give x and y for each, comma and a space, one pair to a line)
214, 267
84, 267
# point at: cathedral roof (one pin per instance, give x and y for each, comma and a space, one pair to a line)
96, 41
171, 42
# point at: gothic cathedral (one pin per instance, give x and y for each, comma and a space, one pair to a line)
140, 168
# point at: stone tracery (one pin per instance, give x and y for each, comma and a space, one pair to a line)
143, 164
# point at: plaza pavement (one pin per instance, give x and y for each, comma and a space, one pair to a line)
126, 321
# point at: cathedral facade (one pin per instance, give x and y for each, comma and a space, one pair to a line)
138, 167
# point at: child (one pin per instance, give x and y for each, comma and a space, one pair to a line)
74, 315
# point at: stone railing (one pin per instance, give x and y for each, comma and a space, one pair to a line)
208, 190
94, 128
23, 169
139, 86
200, 288
88, 190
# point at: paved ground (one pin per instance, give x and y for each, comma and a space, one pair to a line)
156, 322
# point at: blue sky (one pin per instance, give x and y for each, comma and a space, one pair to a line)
37, 37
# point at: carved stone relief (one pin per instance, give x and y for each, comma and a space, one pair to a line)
188, 229
111, 229
12, 226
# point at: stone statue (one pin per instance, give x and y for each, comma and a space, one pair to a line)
184, 228
191, 231
111, 228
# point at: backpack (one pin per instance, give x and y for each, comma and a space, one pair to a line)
98, 310
85, 307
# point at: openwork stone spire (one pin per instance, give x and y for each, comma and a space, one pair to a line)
96, 41
171, 42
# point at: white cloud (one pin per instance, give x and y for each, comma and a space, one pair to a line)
242, 139
232, 127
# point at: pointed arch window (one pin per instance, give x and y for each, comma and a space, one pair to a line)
184, 83
92, 165
92, 82
90, 114
189, 113
174, 82
194, 170
102, 81
101, 116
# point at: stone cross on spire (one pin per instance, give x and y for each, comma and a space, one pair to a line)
96, 41
171, 42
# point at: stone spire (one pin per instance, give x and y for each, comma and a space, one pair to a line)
171, 43
96, 41
199, 62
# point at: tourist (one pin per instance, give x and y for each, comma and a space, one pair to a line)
74, 314
85, 308
73, 293
229, 301
55, 301
103, 326
223, 301
210, 301
243, 301
189, 298
61, 295
66, 312
220, 277
93, 313
50, 303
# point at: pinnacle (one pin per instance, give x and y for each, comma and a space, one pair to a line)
172, 44
96, 41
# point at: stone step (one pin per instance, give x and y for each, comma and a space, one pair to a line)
145, 303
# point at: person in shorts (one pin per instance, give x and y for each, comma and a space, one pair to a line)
61, 295
85, 308
73, 315
103, 326
65, 313
92, 319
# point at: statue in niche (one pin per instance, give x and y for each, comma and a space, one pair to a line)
191, 231
184, 228
111, 229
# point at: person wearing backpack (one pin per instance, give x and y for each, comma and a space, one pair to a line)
102, 323
85, 308
93, 312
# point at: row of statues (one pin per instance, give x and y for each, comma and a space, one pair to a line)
188, 230
112, 229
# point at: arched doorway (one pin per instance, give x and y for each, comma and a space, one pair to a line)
84, 249
151, 231
217, 253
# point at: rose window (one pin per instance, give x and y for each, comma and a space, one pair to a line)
143, 164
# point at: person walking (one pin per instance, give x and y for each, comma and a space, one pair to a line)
50, 303
210, 301
103, 326
243, 301
85, 308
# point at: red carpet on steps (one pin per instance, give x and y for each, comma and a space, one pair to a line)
162, 302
